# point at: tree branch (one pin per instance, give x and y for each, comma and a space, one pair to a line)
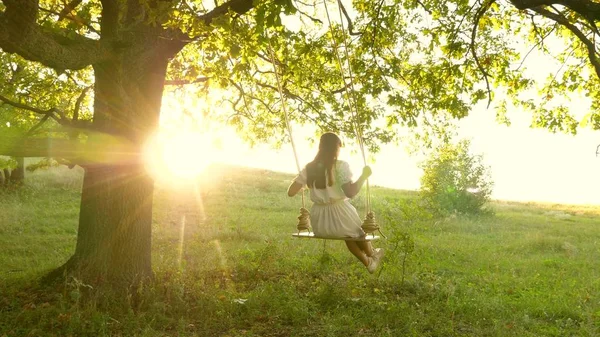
478, 17
313, 19
563, 21
78, 104
73, 18
37, 125
68, 9
19, 33
424, 7
350, 24
110, 18
295, 97
18, 105
586, 8
238, 6
539, 43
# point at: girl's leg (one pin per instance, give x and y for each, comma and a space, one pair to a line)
355, 249
366, 247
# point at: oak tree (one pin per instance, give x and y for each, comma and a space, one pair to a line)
367, 66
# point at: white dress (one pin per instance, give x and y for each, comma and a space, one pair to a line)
332, 215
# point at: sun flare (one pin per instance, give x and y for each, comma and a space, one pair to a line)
177, 157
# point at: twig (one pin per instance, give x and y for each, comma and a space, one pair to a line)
478, 17
350, 24
424, 7
78, 104
71, 17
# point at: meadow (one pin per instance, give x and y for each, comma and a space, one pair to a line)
226, 265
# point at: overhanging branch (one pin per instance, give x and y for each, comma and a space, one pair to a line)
480, 12
19, 33
50, 112
347, 16
237, 6
592, 54
586, 8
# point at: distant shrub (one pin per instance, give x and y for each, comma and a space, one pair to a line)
454, 181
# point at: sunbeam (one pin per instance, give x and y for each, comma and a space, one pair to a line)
181, 239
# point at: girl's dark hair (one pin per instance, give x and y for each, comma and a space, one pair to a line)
322, 165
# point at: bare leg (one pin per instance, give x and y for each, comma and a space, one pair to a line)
366, 247
355, 249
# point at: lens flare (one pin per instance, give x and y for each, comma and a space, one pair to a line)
177, 158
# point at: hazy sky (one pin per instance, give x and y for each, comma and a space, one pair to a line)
527, 164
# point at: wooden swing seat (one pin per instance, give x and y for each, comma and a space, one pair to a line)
311, 235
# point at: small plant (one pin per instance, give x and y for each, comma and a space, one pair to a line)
454, 181
401, 215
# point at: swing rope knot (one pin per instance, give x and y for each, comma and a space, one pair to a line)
303, 220
370, 225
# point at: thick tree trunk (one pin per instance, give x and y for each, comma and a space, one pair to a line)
113, 241
114, 237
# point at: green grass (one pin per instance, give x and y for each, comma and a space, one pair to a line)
530, 270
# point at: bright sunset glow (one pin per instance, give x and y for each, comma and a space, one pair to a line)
177, 157
526, 164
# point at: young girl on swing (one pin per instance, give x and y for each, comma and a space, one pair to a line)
330, 183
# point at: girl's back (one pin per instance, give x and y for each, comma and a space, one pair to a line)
329, 194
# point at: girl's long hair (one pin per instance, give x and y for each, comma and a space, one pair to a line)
320, 170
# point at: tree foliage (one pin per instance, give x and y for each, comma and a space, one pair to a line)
36, 101
413, 63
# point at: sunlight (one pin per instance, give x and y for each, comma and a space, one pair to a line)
177, 157
181, 239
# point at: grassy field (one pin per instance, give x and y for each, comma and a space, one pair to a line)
226, 265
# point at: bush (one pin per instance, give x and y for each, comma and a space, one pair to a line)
454, 181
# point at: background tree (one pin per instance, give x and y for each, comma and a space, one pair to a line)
414, 63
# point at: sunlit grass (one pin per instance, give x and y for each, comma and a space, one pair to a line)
234, 270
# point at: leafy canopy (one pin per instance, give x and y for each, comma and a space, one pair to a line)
413, 63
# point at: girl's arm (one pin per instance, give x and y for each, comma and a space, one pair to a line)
294, 189
352, 189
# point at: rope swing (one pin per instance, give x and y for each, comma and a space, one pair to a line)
304, 217
369, 225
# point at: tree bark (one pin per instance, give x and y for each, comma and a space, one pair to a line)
114, 236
